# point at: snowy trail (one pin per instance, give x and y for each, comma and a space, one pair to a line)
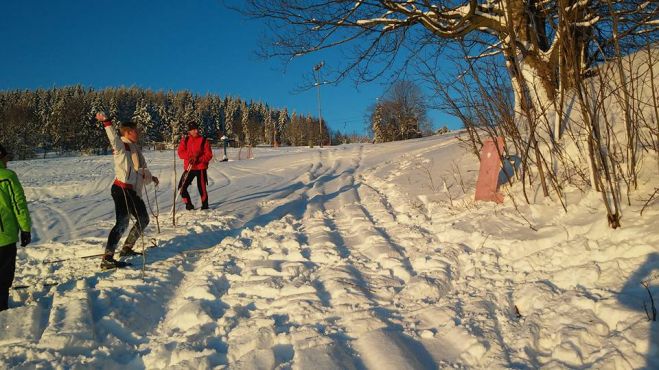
348, 257
275, 343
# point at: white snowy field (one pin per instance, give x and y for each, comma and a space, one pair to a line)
351, 257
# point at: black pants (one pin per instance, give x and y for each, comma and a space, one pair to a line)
7, 270
126, 203
202, 181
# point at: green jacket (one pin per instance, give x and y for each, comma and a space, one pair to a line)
14, 215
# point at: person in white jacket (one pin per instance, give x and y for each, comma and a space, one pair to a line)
131, 175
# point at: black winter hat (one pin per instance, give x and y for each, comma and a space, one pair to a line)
3, 152
128, 124
193, 126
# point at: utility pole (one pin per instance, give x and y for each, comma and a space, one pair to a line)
317, 68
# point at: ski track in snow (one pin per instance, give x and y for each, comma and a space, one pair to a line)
309, 259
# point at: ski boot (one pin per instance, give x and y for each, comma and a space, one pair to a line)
128, 251
108, 263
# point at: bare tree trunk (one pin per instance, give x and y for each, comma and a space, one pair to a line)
655, 102
630, 128
605, 183
541, 172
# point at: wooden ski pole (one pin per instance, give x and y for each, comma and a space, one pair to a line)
185, 178
178, 189
157, 214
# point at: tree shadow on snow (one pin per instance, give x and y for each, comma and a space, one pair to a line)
297, 207
635, 296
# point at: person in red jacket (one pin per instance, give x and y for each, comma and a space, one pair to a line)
196, 153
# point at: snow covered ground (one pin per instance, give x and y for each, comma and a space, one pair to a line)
350, 257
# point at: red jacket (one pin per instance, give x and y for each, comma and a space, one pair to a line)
191, 147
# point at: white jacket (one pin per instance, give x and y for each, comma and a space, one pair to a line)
129, 163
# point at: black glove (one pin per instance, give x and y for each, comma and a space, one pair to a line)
26, 238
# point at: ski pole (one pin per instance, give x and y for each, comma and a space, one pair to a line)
185, 178
155, 194
157, 213
180, 187
148, 203
48, 262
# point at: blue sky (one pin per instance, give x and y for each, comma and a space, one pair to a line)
196, 45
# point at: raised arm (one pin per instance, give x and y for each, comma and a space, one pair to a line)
115, 140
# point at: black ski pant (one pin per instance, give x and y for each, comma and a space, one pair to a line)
202, 181
7, 270
126, 203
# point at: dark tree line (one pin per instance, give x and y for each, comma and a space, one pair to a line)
62, 119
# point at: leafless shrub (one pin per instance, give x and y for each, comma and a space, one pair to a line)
447, 190
651, 313
427, 169
519, 212
457, 176
656, 190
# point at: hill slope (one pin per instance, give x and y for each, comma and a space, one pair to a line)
359, 256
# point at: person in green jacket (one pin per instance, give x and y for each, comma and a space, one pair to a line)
14, 219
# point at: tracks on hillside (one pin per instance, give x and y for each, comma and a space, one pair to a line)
318, 287
332, 272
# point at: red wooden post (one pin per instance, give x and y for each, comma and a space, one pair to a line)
488, 176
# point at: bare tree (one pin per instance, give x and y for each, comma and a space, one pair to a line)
400, 114
480, 98
412, 109
529, 34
